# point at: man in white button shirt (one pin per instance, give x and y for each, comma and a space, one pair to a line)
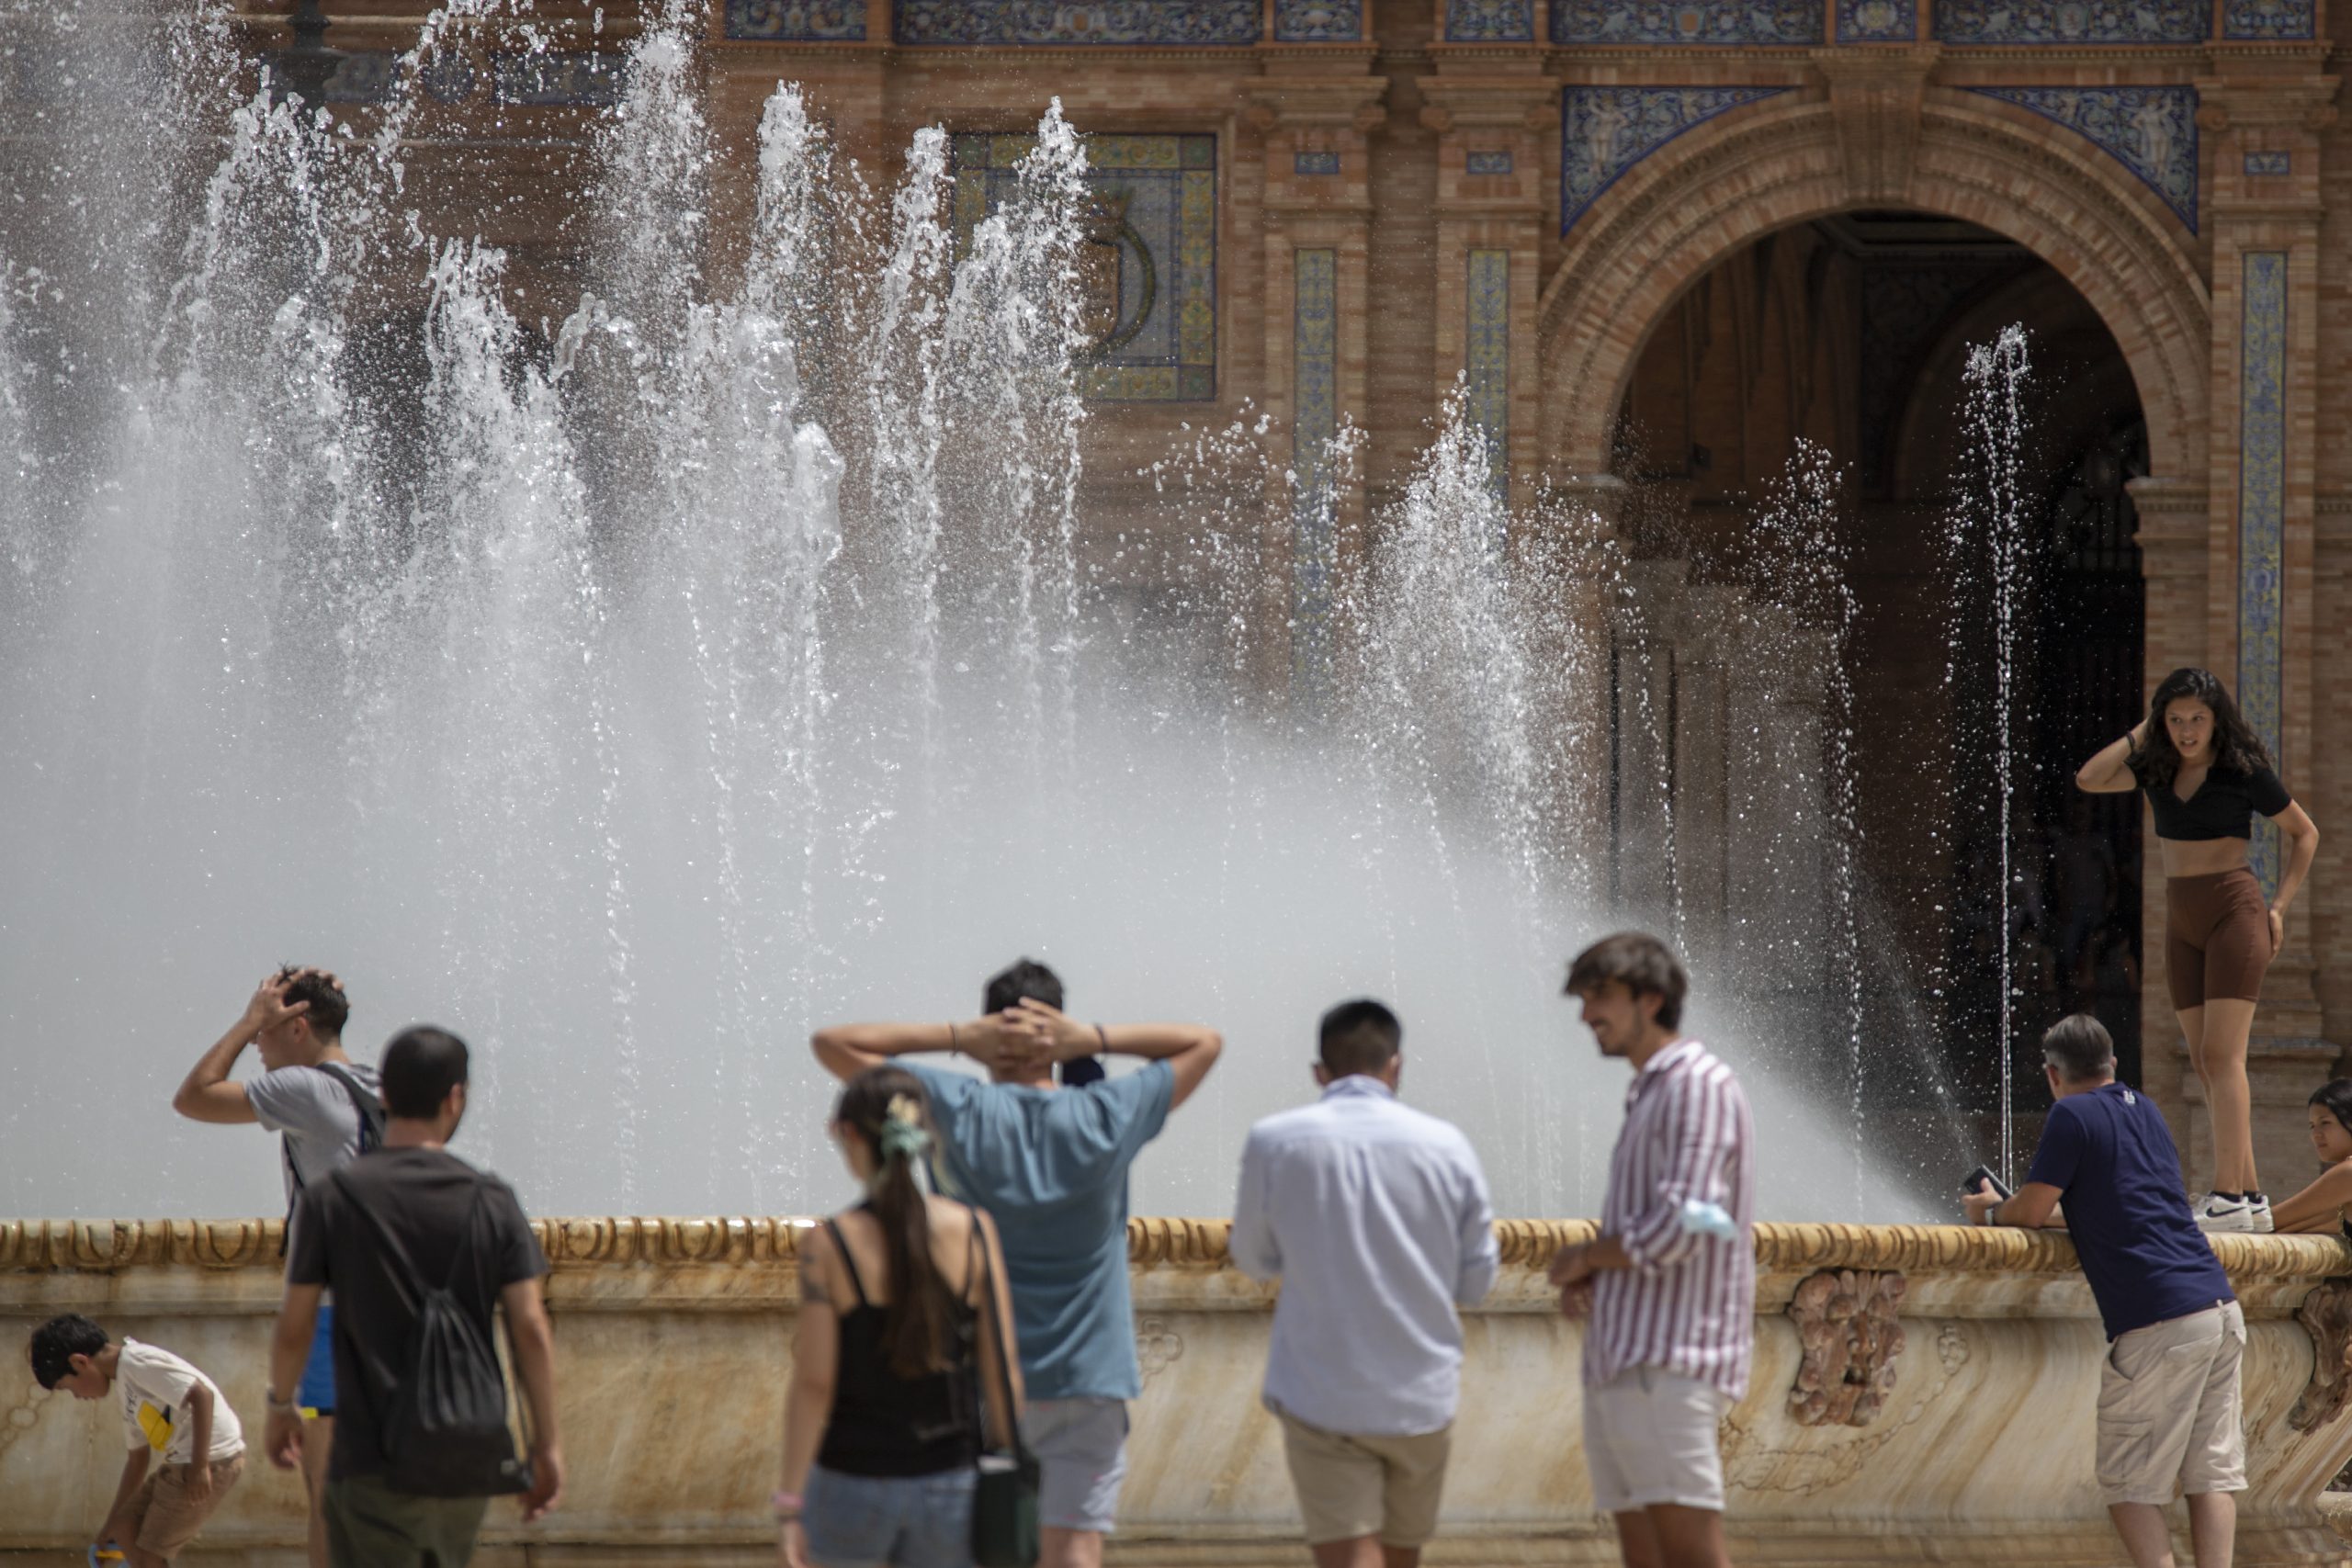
1375, 1218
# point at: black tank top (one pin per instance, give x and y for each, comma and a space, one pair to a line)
883, 1424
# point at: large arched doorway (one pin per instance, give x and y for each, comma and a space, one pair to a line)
1851, 333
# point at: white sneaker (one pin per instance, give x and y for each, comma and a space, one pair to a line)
2219, 1215
2261, 1211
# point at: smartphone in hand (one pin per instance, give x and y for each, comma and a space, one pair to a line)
1981, 1179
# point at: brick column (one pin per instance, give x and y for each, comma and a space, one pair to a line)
2265, 112
1492, 170
1318, 220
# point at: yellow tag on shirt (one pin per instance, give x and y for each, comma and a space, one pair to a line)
157, 1424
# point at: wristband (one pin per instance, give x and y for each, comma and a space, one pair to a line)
1104, 1035
788, 1506
269, 1397
952, 1046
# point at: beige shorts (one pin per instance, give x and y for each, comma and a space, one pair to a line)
1650, 1438
1354, 1486
162, 1517
2169, 1409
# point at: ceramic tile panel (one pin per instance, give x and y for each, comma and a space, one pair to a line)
1489, 21
1721, 22
797, 21
557, 77
2262, 514
1486, 357
2251, 20
1063, 22
1878, 21
1150, 259
2265, 164
1496, 162
2150, 131
1318, 21
2043, 22
1315, 163
1606, 130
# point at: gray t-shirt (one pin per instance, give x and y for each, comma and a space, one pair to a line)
315, 1113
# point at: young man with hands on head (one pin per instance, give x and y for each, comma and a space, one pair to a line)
1050, 1167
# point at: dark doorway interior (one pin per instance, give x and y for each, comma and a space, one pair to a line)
1853, 332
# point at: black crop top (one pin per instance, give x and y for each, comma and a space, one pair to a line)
2222, 808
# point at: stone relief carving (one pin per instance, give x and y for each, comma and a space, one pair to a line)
1158, 1346
2326, 1317
1850, 1324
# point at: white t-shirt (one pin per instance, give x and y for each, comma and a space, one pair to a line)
153, 1386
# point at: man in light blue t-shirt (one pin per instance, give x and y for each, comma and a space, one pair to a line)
1050, 1166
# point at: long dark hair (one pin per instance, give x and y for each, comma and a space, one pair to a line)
2334, 1098
888, 1108
2236, 748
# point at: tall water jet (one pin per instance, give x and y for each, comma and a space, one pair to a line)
1990, 547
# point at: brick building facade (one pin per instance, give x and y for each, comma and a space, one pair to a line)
1717, 225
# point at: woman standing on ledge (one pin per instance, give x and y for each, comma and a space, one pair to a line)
2206, 774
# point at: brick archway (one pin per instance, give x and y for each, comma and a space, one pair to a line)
1706, 194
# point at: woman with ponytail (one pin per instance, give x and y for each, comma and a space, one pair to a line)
902, 1312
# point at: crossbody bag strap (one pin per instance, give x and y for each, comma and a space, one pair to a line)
412, 1293
367, 1107
1004, 1350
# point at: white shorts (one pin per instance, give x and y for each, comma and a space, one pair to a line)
2170, 1411
1650, 1438
1082, 1448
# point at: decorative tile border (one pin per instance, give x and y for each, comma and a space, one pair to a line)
1487, 358
1314, 426
1318, 21
1315, 163
1726, 22
1151, 255
557, 76
2150, 131
797, 21
2262, 480
1487, 163
1064, 22
1606, 130
2265, 19
2265, 164
2030, 22
1878, 21
1490, 21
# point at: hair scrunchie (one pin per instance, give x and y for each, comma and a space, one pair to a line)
902, 1135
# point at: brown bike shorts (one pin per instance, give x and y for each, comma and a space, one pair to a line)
2217, 938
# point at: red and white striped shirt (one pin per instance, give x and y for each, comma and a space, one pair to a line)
1687, 1305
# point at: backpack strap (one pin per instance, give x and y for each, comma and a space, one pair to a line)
848, 1263
366, 1102
413, 1287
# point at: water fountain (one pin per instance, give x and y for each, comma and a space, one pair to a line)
634, 692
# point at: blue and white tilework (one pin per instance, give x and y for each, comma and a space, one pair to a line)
1149, 267
1878, 21
2269, 163
1494, 162
2072, 21
1060, 22
1318, 21
2262, 512
1489, 21
1315, 426
1733, 22
797, 21
557, 77
1315, 163
1487, 358
1606, 130
2150, 131
2244, 20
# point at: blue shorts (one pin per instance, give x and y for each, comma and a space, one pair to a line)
316, 1395
890, 1521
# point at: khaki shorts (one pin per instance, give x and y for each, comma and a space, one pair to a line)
1353, 1486
162, 1517
1650, 1438
1082, 1448
2169, 1409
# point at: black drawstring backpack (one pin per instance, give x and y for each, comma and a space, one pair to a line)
446, 1433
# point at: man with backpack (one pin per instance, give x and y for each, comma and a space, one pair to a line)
422, 1249
327, 1109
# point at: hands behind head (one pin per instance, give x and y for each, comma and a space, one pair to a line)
268, 1007
1026, 1036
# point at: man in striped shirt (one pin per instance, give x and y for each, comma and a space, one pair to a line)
1669, 1284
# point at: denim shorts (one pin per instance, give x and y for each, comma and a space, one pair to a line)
889, 1521
316, 1393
